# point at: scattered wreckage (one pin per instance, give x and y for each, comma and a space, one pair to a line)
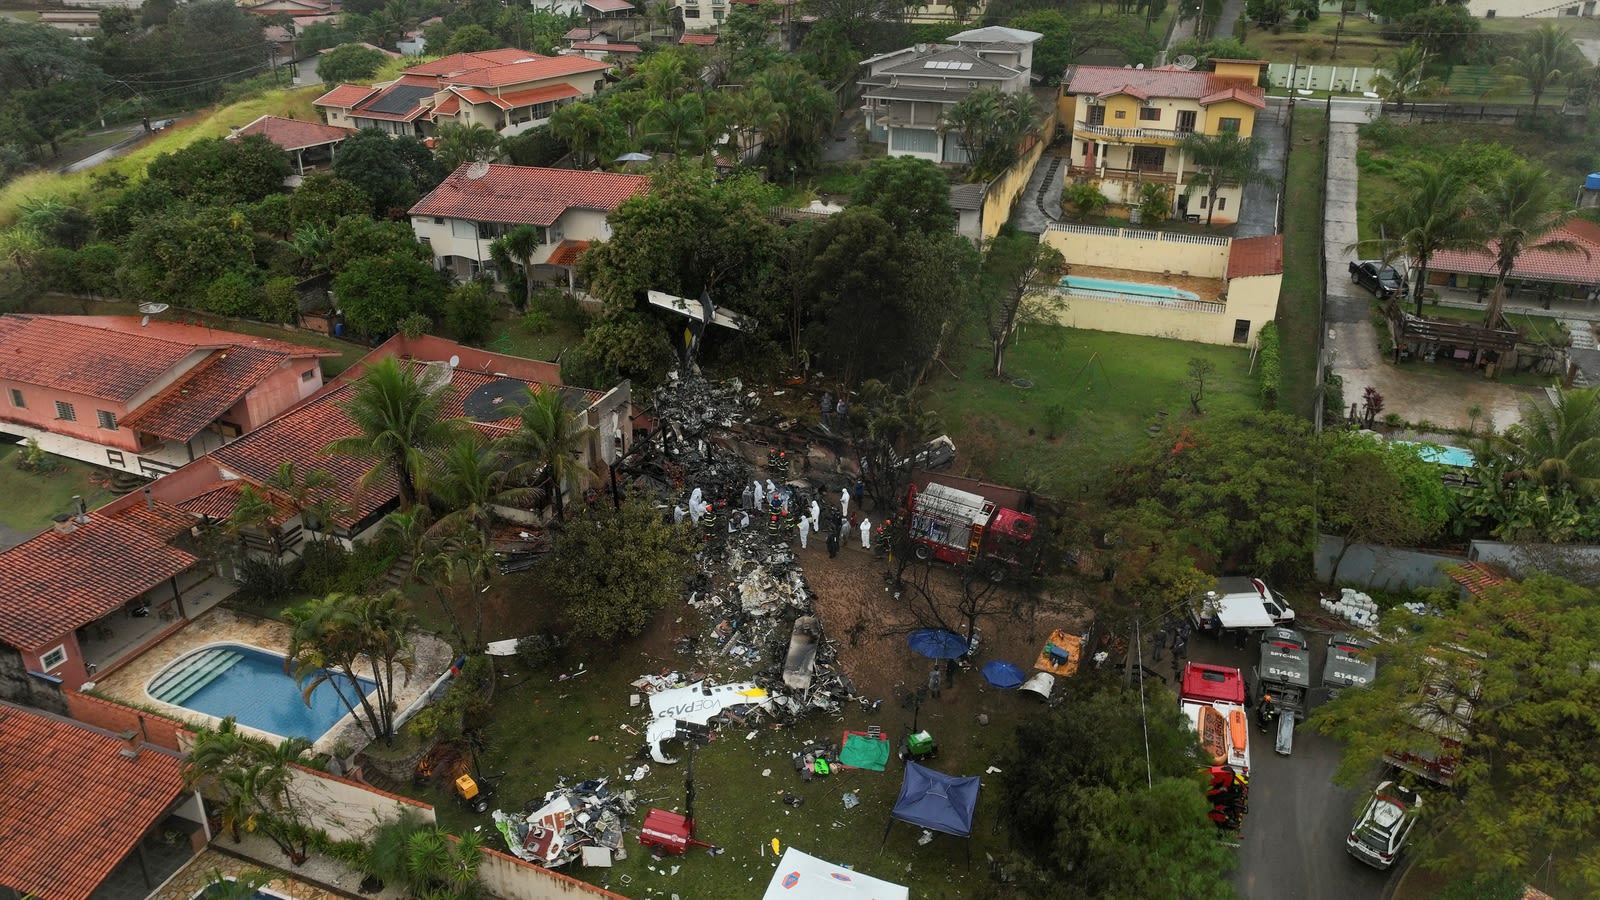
570, 821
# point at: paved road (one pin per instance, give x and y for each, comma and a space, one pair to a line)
1293, 847
1258, 213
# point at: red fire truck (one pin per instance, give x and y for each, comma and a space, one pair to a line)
957, 526
1213, 699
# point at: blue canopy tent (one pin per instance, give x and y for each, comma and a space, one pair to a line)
936, 643
937, 802
1003, 675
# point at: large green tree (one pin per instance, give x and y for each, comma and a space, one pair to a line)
1100, 798
1372, 491
350, 63
909, 193
546, 445
341, 638
1547, 58
394, 171
376, 293
990, 126
251, 783
1556, 446
1512, 674
1430, 213
611, 569
399, 418
222, 172
1018, 286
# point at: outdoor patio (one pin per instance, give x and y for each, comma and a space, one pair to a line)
107, 641
221, 625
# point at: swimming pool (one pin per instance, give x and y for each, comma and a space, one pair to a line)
1455, 457
1124, 290
252, 686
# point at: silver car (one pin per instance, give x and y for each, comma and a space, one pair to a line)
1381, 832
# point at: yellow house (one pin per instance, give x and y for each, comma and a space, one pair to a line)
1214, 290
1127, 125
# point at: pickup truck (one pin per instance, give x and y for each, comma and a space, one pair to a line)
1381, 279
1237, 603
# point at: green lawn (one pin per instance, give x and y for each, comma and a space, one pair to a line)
1300, 301
510, 337
33, 500
1101, 391
542, 728
1361, 44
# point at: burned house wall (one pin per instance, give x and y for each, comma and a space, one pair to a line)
18, 685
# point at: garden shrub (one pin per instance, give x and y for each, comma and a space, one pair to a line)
1267, 362
369, 562
322, 565
263, 581
1085, 198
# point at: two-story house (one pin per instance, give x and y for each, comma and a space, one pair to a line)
1128, 125
508, 90
144, 398
479, 202
907, 92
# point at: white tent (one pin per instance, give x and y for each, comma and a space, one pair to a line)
801, 876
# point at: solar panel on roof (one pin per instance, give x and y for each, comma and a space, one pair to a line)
401, 100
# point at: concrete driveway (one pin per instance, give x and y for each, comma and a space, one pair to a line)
1417, 392
1258, 212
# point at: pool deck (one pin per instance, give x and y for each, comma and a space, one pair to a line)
221, 625
1207, 288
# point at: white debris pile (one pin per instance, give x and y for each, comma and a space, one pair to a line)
1354, 607
586, 814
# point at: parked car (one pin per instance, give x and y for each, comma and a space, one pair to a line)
1380, 834
1382, 280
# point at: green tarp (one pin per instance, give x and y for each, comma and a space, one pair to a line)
863, 752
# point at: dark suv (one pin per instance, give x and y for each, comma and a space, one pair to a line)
1378, 278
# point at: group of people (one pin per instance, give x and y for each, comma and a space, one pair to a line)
832, 408
1178, 632
787, 511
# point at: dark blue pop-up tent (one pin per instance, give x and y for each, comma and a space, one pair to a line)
936, 801
936, 643
1003, 675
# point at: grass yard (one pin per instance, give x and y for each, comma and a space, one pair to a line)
209, 123
1362, 43
1300, 301
33, 500
510, 337
1094, 396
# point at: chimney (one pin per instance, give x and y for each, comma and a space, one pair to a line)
149, 498
64, 524
130, 745
81, 509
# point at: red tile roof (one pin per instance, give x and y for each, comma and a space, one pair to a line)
1128, 89
515, 98
299, 435
1241, 94
53, 582
526, 195
702, 40
1534, 264
447, 107
1477, 578
218, 503
345, 96
197, 335
469, 62
583, 34
607, 6
538, 69
1168, 81
567, 253
75, 806
210, 389
1256, 256
295, 134
58, 353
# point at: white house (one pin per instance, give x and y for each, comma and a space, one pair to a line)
907, 92
479, 202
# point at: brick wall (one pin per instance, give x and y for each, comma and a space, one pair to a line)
115, 717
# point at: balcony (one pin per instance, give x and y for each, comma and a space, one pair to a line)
1162, 136
1132, 174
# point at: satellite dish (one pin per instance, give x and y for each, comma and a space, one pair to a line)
153, 309
455, 361
1139, 66
144, 321
477, 170
1187, 62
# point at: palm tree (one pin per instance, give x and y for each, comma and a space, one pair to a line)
680, 122
805, 112
469, 484
751, 112
974, 120
298, 490
1518, 210
460, 144
252, 782
1547, 58
1558, 447
584, 127
384, 627
1404, 76
1220, 160
331, 635
1431, 214
399, 419
547, 444
516, 248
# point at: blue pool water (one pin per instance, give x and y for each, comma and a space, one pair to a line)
1456, 457
252, 686
1102, 287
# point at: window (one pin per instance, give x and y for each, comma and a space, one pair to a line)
913, 140
65, 412
1203, 199
1222, 202
1186, 119
1149, 159
16, 399
108, 420
690, 12
1121, 114
425, 241
438, 220
1228, 125
1097, 115
1150, 114
1241, 330
54, 658
308, 374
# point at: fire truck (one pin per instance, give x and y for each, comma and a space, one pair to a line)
1213, 699
957, 526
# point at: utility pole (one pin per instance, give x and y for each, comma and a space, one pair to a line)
1344, 10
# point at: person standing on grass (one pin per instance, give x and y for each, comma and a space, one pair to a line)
827, 409
844, 502
833, 544
866, 533
805, 531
